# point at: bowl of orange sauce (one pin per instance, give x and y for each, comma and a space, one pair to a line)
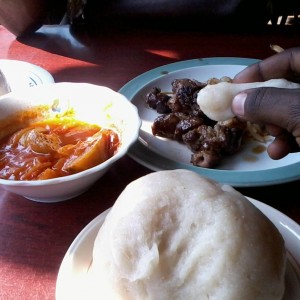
58, 139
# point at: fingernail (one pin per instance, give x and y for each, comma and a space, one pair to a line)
238, 104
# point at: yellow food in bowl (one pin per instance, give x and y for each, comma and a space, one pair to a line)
54, 148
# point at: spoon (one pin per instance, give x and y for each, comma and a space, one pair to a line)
4, 86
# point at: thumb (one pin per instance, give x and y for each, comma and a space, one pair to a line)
275, 106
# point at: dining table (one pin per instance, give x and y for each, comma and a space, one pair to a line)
35, 236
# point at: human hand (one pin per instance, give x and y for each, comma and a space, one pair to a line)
278, 109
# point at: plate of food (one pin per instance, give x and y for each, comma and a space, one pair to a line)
241, 161
78, 272
20, 74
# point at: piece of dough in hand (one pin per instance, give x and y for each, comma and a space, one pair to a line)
215, 99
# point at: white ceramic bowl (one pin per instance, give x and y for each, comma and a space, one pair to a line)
91, 103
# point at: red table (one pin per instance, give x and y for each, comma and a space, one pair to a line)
33, 236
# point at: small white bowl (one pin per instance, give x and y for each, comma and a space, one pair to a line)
91, 103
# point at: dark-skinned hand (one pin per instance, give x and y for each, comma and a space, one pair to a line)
277, 108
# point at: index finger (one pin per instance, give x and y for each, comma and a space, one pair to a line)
285, 64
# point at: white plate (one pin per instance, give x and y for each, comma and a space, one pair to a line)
20, 74
246, 168
72, 280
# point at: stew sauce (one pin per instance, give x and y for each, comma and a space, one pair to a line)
55, 148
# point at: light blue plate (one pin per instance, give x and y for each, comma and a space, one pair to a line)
247, 168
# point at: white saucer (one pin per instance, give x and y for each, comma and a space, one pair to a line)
21, 74
73, 280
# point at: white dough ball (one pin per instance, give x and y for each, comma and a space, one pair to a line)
215, 99
177, 235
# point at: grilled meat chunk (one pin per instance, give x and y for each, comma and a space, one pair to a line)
158, 101
206, 158
211, 144
174, 125
184, 98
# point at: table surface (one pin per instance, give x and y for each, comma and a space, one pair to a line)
34, 237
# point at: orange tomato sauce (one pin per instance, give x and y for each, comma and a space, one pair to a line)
55, 148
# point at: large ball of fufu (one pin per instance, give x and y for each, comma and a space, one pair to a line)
178, 235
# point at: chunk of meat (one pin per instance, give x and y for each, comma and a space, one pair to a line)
158, 101
206, 158
174, 125
37, 139
211, 144
90, 153
184, 97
